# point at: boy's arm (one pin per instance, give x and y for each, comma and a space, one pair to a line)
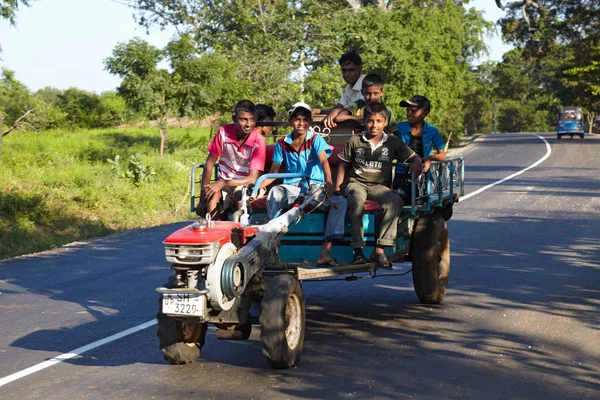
206, 175
415, 164
327, 172
341, 174
328, 121
440, 145
440, 156
346, 115
274, 169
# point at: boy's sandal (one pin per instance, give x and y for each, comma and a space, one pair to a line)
360, 260
381, 260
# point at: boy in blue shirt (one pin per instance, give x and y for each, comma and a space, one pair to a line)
306, 152
421, 137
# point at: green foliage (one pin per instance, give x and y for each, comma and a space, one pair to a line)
563, 38
53, 108
135, 172
286, 51
56, 186
14, 97
8, 9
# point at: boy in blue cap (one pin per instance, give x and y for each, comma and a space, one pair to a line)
421, 137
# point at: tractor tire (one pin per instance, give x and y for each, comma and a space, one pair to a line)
283, 321
581, 136
180, 342
430, 254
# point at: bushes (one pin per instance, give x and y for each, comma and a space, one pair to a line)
57, 186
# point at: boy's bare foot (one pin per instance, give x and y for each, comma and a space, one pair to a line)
332, 262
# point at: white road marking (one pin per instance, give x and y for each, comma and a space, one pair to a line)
101, 342
538, 162
74, 353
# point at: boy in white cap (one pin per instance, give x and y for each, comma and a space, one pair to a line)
304, 151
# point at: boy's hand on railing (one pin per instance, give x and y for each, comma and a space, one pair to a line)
329, 189
426, 164
416, 166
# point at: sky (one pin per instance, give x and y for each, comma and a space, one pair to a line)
62, 43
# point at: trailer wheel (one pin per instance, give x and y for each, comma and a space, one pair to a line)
180, 342
282, 321
558, 136
430, 252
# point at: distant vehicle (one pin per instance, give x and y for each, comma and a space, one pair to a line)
570, 122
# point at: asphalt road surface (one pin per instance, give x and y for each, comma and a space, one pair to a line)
520, 320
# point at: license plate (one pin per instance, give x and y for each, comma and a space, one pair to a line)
184, 304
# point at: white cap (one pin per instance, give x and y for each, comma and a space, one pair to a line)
300, 105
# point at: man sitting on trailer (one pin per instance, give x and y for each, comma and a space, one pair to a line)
240, 150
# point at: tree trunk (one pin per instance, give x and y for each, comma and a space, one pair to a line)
163, 134
591, 117
1, 135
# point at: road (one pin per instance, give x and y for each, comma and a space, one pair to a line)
520, 320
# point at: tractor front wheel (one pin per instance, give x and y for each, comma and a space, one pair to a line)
180, 342
282, 321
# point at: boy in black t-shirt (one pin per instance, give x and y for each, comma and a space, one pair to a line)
369, 157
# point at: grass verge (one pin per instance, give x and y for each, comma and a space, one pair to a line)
57, 187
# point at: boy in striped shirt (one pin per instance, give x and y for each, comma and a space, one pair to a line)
240, 150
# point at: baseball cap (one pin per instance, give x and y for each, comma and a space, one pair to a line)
300, 105
417, 101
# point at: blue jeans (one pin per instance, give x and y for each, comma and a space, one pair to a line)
284, 195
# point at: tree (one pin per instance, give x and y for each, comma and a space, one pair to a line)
15, 104
481, 100
196, 84
288, 50
145, 87
8, 9
568, 31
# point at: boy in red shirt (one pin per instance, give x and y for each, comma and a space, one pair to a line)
240, 150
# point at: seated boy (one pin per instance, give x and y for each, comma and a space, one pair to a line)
306, 152
368, 163
265, 113
372, 90
421, 137
241, 150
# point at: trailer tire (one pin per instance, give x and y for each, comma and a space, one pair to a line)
180, 342
430, 253
283, 321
